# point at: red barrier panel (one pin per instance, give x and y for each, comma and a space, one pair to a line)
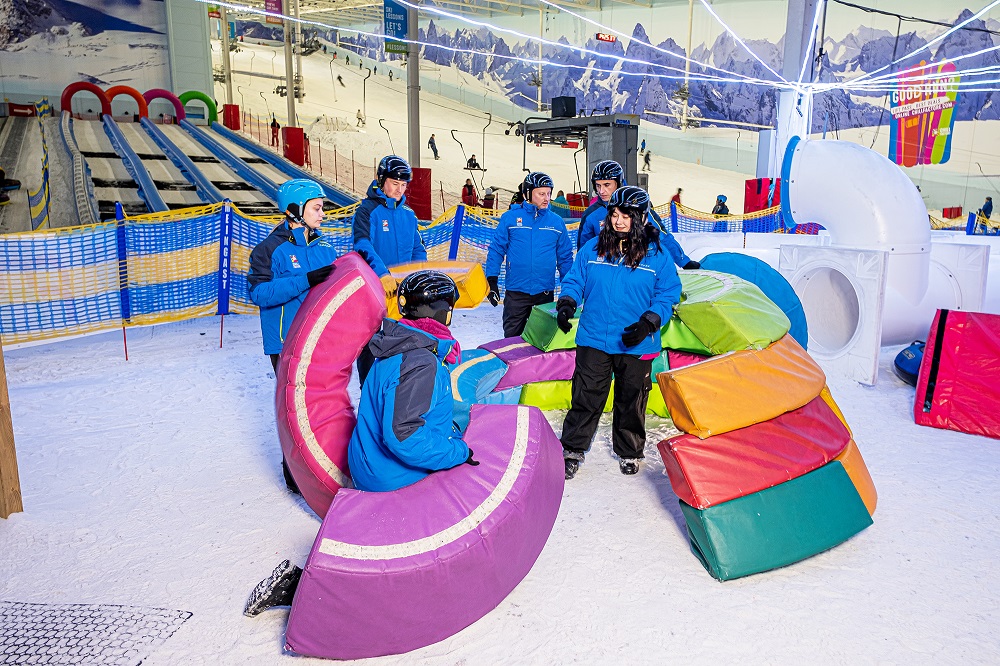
114, 91
293, 148
418, 194
65, 102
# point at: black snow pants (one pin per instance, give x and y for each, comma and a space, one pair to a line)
517, 308
591, 383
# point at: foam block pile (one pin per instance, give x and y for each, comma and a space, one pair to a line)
767, 472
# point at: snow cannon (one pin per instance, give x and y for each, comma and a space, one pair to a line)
314, 413
396, 571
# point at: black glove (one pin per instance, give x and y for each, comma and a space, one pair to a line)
470, 460
317, 275
640, 330
565, 309
692, 265
494, 295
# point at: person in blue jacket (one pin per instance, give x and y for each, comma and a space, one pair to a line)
607, 177
404, 429
535, 243
628, 286
283, 268
385, 231
292, 259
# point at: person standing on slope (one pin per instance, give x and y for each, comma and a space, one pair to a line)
628, 287
606, 178
534, 243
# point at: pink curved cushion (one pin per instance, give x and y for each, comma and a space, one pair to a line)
393, 572
314, 413
527, 364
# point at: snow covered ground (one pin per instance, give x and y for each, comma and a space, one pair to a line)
155, 482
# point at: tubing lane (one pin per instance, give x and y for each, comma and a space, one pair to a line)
208, 192
285, 166
266, 186
147, 190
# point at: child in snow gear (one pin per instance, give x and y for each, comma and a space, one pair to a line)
605, 179
283, 268
628, 286
534, 242
720, 206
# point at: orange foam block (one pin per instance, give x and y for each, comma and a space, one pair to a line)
856, 468
742, 388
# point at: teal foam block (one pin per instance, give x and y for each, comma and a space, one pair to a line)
778, 526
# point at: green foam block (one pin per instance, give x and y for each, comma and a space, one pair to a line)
558, 394
543, 332
778, 526
728, 313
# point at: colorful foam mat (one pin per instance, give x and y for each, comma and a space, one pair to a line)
527, 363
543, 332
778, 526
559, 395
739, 389
706, 472
856, 468
468, 276
728, 313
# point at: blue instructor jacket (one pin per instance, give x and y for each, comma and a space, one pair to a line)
535, 243
593, 219
404, 429
615, 296
277, 280
385, 232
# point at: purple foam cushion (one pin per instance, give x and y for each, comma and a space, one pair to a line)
527, 364
393, 572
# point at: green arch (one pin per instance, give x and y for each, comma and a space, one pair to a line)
213, 113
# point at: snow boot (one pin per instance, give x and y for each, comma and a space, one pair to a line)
278, 589
572, 466
4, 199
9, 184
628, 466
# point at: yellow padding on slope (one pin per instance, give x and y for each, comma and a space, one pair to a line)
468, 275
171, 266
828, 399
742, 388
856, 468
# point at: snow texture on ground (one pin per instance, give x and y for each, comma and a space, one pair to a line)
155, 482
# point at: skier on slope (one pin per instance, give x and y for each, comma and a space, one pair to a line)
606, 178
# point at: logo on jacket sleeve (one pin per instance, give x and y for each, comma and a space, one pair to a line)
295, 261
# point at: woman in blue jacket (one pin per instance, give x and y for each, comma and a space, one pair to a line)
628, 286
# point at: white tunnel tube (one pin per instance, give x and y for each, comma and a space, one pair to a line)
867, 202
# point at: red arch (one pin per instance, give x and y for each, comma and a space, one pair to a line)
65, 102
114, 91
155, 93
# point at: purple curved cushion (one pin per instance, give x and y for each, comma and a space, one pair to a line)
393, 572
527, 364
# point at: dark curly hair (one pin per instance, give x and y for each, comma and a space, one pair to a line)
634, 246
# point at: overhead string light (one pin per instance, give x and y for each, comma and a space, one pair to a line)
809, 47
740, 41
606, 28
488, 54
890, 79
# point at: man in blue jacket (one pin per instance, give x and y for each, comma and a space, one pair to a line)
404, 429
607, 177
535, 243
283, 268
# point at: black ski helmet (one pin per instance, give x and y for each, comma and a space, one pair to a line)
427, 293
395, 167
632, 201
533, 180
607, 170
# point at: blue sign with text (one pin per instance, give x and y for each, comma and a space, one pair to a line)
396, 26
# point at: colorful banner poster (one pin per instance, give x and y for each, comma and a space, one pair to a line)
396, 25
923, 115
273, 6
213, 11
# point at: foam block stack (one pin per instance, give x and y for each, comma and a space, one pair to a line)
767, 472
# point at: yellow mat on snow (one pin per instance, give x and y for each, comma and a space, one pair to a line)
468, 276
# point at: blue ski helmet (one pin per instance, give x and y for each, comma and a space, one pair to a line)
298, 191
722, 198
607, 170
395, 167
533, 180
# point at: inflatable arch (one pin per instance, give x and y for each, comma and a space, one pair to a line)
160, 93
65, 102
114, 91
213, 111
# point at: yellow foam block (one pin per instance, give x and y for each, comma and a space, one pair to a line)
828, 399
856, 468
740, 389
468, 275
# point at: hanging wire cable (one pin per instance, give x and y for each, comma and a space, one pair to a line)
881, 113
914, 19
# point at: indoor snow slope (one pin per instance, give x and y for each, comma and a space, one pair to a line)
156, 483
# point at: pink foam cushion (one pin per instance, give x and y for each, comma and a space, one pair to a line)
709, 471
527, 364
314, 413
393, 572
679, 359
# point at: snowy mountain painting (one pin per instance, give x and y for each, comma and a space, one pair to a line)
600, 83
47, 44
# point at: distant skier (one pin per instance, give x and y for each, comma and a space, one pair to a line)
642, 146
340, 80
676, 199
472, 163
720, 206
361, 119
647, 156
274, 131
431, 142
